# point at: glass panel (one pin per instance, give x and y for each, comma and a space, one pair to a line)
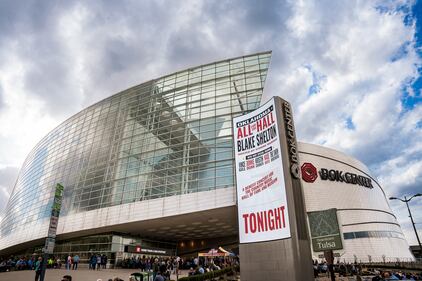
164, 137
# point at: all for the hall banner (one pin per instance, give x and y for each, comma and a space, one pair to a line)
261, 192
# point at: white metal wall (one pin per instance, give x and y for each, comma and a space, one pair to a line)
359, 208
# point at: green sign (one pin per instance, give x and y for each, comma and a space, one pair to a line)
59, 191
325, 232
57, 203
55, 213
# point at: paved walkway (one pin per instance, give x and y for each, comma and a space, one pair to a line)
104, 275
77, 275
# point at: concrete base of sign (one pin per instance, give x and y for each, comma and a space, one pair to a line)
275, 260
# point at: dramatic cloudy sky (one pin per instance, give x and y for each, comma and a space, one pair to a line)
352, 70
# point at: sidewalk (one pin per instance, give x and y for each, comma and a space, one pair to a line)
77, 275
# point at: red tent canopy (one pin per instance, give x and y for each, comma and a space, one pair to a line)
213, 253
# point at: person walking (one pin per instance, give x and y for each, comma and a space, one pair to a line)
38, 267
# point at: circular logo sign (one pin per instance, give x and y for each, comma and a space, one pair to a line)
309, 172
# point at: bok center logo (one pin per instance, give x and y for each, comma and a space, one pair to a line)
309, 172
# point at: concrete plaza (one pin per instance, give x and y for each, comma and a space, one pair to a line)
77, 275
105, 274
85, 275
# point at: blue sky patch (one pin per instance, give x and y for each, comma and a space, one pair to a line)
401, 52
417, 14
411, 95
317, 80
349, 124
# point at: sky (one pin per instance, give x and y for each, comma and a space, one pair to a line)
351, 69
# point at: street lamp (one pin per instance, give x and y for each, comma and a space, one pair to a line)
410, 214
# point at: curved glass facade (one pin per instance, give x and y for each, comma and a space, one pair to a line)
165, 137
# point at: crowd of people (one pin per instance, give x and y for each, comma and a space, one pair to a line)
96, 261
164, 267
26, 263
69, 278
160, 268
395, 275
341, 268
323, 269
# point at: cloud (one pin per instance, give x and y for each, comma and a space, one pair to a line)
349, 68
8, 176
400, 209
1, 99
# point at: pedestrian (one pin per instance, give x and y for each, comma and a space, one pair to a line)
155, 268
67, 278
93, 261
104, 261
38, 268
30, 264
59, 263
98, 262
315, 266
159, 276
75, 262
68, 262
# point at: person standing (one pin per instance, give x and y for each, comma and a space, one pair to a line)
104, 261
75, 262
38, 265
98, 262
68, 262
93, 261
155, 268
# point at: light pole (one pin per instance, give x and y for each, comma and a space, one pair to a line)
410, 214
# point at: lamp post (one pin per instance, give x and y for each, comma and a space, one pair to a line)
405, 200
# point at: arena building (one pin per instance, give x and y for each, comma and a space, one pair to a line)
149, 171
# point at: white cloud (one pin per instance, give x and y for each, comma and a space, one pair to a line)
400, 209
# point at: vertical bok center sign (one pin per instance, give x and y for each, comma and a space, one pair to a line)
261, 192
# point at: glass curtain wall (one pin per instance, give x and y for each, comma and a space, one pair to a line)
165, 137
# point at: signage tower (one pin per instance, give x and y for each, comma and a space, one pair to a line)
273, 234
